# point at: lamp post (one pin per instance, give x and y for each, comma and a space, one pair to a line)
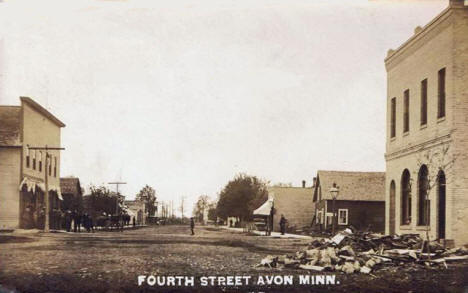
334, 193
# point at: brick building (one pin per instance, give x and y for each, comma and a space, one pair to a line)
295, 203
427, 129
72, 194
360, 201
23, 171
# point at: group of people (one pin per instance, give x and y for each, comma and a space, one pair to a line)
71, 221
77, 219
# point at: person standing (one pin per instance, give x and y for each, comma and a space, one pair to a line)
192, 225
283, 224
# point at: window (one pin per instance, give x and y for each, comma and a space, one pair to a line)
405, 198
55, 166
40, 161
50, 165
393, 118
424, 102
329, 219
319, 217
34, 159
441, 94
406, 112
27, 158
342, 216
423, 201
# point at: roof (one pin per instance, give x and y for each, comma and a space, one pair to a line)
70, 185
42, 110
265, 208
289, 191
364, 186
10, 120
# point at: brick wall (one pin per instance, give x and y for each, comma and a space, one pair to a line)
441, 44
460, 112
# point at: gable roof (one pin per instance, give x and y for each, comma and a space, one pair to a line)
365, 186
70, 185
10, 121
42, 110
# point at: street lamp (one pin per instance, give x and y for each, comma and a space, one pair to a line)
334, 193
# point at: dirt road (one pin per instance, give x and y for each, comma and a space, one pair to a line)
112, 262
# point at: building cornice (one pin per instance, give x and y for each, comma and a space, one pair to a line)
418, 39
442, 139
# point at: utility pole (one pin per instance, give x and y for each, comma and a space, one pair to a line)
182, 199
172, 208
46, 180
117, 190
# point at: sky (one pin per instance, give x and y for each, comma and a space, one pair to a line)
183, 95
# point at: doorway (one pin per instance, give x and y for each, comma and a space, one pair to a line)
392, 209
442, 206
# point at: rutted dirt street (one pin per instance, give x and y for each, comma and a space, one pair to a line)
111, 262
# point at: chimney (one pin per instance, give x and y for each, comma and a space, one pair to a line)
417, 30
315, 181
303, 183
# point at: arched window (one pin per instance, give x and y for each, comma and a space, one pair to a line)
405, 198
423, 197
392, 208
441, 182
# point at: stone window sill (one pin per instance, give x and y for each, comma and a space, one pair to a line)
405, 227
441, 119
406, 133
422, 228
423, 126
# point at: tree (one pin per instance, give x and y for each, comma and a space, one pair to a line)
201, 205
100, 201
241, 196
212, 216
148, 195
432, 163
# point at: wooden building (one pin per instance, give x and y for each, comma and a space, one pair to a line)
360, 201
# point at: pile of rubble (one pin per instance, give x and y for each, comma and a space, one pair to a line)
367, 252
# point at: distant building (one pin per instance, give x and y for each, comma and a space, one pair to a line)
137, 209
22, 171
72, 194
427, 110
295, 203
360, 201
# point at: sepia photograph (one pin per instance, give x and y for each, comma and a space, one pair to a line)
233, 146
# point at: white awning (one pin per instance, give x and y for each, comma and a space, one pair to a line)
32, 185
265, 208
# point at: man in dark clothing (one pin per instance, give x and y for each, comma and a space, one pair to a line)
76, 222
192, 225
283, 224
68, 220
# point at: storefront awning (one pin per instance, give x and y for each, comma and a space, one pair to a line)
265, 208
32, 185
